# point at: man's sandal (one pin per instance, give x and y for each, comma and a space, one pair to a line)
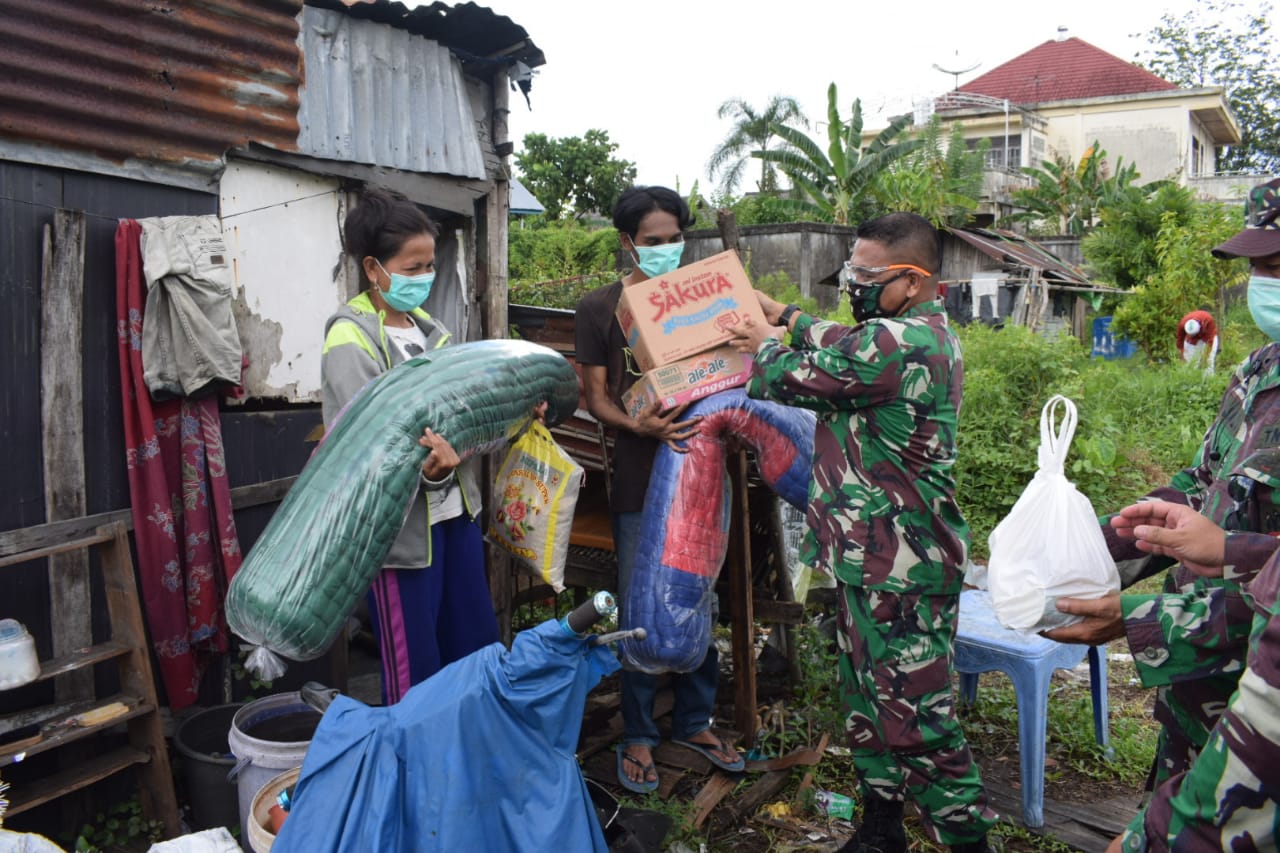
644, 786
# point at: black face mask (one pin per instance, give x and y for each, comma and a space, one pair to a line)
864, 299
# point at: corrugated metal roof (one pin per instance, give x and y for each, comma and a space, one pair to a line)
383, 95
475, 33
1008, 247
128, 80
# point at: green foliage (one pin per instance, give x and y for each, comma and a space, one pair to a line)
835, 185
1186, 277
1221, 43
577, 175
121, 827
941, 182
1066, 196
1121, 251
752, 130
552, 264
1139, 423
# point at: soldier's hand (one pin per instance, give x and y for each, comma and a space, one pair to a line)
1102, 620
748, 335
1177, 531
667, 427
771, 307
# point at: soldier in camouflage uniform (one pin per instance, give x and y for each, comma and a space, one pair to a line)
1191, 640
1227, 799
883, 519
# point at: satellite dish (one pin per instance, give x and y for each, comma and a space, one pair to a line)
957, 68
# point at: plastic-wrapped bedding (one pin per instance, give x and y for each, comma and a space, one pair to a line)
328, 539
684, 532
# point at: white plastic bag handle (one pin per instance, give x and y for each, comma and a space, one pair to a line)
1054, 444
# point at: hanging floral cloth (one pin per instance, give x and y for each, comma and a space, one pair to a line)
180, 496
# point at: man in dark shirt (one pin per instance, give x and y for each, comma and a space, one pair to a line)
650, 223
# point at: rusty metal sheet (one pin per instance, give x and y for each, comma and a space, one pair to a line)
1007, 247
126, 80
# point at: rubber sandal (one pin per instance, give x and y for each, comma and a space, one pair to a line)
706, 750
644, 787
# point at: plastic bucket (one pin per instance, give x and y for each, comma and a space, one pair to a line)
260, 835
268, 736
201, 741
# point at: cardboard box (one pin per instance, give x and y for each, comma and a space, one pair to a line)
688, 379
688, 311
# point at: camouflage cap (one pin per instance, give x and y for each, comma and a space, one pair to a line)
1261, 236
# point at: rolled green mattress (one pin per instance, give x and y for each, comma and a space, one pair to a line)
328, 539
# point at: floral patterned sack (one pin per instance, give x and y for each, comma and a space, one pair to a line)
534, 496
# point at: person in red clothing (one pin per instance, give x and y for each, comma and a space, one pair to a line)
1198, 339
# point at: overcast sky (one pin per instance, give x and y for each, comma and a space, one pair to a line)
654, 74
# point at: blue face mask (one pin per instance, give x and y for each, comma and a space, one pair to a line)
1264, 304
407, 291
654, 261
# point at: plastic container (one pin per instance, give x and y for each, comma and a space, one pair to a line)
260, 836
268, 736
201, 742
19, 664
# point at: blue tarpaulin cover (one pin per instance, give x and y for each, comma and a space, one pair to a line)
478, 757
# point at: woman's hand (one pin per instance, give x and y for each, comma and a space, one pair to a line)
442, 459
540, 412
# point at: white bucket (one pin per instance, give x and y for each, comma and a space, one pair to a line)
268, 736
260, 835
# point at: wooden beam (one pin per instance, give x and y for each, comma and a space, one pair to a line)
56, 533
62, 437
742, 616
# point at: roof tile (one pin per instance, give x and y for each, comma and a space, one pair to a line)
1065, 70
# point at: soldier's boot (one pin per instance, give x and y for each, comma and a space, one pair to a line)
881, 830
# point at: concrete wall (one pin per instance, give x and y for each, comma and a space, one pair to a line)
808, 252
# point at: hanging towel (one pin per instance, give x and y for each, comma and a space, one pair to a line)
181, 500
986, 286
190, 345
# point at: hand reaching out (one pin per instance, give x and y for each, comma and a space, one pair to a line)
1177, 531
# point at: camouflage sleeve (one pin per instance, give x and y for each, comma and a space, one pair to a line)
829, 367
1185, 636
1228, 799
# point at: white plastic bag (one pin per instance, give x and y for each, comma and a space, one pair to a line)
1050, 545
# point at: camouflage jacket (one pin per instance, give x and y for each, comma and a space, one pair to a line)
1227, 800
882, 512
1196, 627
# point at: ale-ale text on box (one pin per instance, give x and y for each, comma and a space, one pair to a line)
689, 379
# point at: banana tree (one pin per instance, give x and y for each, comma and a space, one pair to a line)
836, 183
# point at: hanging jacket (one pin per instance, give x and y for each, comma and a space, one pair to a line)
356, 349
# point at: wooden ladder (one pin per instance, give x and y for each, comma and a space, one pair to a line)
127, 647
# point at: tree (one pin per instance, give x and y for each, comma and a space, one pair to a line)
1067, 197
940, 182
577, 174
1186, 277
1121, 251
836, 184
752, 130
1220, 43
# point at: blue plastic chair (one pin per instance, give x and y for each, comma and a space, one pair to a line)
983, 645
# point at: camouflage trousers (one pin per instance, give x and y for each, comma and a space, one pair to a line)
896, 668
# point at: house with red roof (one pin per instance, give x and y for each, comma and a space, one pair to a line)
1059, 97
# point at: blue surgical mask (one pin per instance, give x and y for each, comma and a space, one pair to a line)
407, 291
654, 261
1264, 304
